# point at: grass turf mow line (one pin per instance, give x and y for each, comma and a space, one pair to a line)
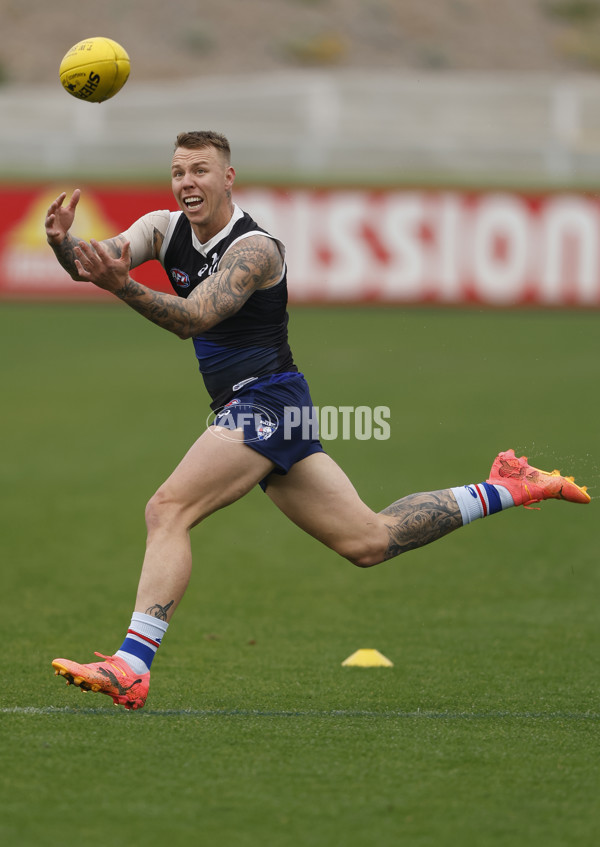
310, 713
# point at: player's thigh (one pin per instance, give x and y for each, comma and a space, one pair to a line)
318, 496
217, 470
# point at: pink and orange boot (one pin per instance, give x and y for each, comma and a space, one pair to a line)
113, 676
530, 485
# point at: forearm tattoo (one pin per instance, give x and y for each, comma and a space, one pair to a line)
165, 310
158, 611
254, 263
418, 519
65, 253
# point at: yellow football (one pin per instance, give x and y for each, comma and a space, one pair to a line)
94, 69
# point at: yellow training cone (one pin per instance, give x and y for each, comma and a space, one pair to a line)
367, 659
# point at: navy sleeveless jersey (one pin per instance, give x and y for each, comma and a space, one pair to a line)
253, 343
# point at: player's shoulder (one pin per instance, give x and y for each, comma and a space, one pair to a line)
261, 255
246, 227
245, 223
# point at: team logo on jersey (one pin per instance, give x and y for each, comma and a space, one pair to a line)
180, 278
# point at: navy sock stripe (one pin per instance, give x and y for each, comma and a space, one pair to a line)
136, 648
495, 503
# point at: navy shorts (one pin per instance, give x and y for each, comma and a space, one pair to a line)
277, 416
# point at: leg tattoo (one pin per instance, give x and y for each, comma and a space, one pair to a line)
158, 611
418, 519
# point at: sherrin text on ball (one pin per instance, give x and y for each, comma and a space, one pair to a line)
94, 69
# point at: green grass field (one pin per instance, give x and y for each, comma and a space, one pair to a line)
485, 732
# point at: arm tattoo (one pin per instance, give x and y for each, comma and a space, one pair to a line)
418, 519
252, 264
114, 245
165, 310
158, 611
157, 242
65, 251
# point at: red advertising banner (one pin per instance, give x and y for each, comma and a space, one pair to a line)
28, 267
498, 248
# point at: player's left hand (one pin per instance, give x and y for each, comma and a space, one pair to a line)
95, 264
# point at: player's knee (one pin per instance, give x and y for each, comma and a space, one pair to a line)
365, 561
159, 510
364, 553
167, 509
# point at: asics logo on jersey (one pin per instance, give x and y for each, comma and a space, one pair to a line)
213, 265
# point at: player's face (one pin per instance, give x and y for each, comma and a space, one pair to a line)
202, 182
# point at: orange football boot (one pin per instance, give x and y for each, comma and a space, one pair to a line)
113, 676
530, 485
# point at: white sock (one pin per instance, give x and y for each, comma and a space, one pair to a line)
143, 639
481, 499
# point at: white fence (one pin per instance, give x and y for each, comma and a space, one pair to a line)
318, 126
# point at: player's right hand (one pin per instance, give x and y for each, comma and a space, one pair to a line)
59, 218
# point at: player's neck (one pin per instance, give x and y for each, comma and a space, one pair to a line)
204, 231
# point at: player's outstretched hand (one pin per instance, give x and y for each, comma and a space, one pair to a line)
97, 265
59, 218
